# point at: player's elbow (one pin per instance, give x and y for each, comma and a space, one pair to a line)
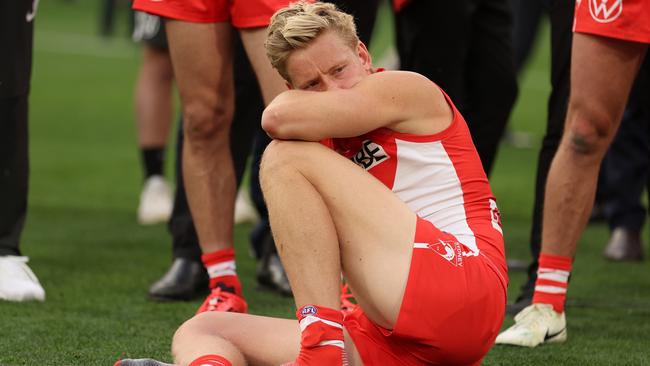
271, 122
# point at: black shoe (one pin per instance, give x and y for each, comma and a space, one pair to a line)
185, 280
270, 272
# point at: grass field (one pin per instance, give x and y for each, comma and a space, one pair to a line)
96, 263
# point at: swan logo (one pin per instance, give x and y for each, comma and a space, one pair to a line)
605, 11
449, 250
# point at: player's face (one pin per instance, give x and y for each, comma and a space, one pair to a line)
328, 63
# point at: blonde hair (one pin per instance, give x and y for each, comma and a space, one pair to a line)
297, 25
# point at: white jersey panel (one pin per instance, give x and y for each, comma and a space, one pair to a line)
426, 180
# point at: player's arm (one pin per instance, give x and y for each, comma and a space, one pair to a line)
403, 101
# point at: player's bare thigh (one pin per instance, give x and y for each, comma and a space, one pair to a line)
271, 83
602, 73
262, 340
375, 228
202, 59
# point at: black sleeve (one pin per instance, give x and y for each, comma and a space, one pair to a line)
16, 32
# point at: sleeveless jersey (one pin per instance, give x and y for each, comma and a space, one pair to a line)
440, 177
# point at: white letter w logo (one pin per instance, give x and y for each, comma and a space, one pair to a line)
603, 13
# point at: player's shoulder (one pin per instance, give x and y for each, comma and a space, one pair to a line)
407, 83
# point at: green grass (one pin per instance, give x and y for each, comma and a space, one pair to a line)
96, 263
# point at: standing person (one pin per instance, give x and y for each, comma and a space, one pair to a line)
153, 108
17, 281
200, 36
608, 39
468, 51
394, 196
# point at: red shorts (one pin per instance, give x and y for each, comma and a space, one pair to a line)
240, 13
628, 20
452, 309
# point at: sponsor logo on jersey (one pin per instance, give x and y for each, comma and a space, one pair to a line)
605, 11
308, 310
495, 216
370, 155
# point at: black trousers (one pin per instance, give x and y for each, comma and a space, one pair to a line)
14, 172
561, 15
464, 46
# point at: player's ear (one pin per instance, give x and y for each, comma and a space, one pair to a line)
364, 56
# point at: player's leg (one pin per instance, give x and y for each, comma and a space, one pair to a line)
153, 107
328, 215
602, 73
202, 58
270, 81
239, 338
201, 54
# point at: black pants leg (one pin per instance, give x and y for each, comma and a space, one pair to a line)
14, 172
246, 121
561, 14
467, 50
527, 15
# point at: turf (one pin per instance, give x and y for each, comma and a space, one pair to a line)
96, 263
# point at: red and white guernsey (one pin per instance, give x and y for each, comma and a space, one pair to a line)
439, 177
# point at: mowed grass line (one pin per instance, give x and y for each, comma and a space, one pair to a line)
96, 263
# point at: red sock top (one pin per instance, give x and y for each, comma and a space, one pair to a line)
552, 280
222, 270
210, 360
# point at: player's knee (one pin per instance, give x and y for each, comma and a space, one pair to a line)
589, 132
206, 122
278, 154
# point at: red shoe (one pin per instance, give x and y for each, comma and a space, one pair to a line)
219, 300
347, 306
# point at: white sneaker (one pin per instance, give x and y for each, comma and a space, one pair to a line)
245, 212
17, 281
534, 325
155, 201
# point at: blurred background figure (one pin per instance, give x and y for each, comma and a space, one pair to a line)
468, 52
17, 281
153, 108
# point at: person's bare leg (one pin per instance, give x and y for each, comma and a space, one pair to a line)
328, 215
202, 58
602, 73
242, 339
153, 98
271, 83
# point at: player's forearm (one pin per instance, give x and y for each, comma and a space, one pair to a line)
312, 116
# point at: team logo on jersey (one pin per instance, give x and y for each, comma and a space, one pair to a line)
370, 155
450, 250
308, 310
604, 11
